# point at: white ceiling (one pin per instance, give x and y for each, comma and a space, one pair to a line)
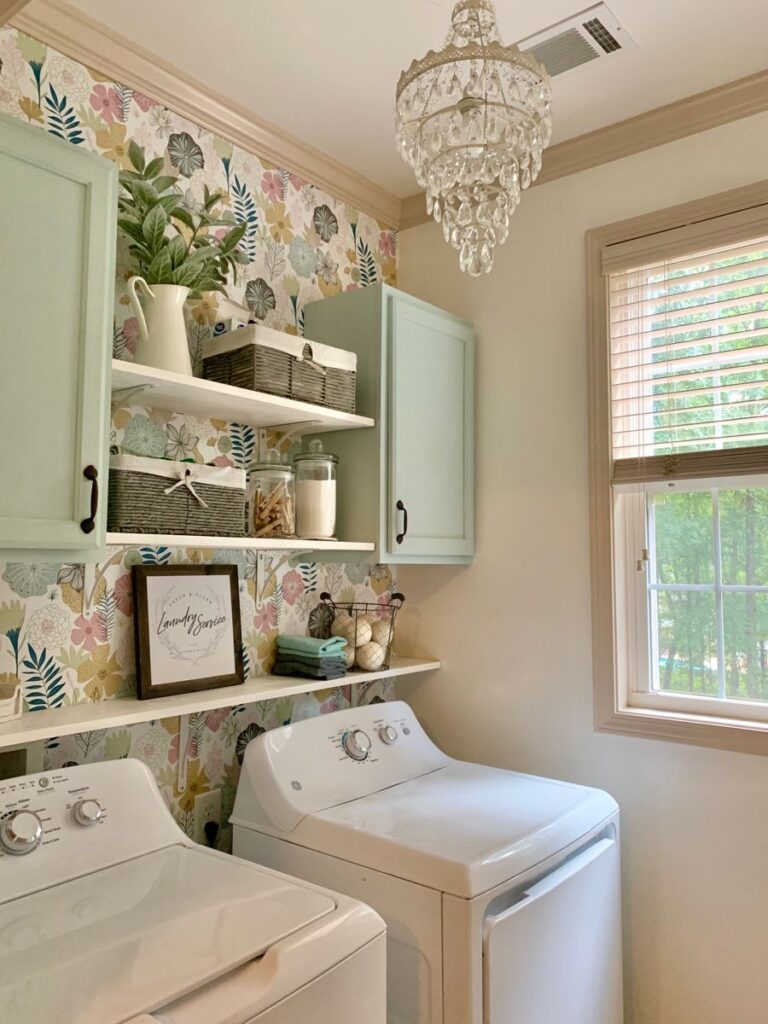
326, 71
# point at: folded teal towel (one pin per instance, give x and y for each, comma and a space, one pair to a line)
312, 647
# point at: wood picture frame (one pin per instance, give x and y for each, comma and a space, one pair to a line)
187, 628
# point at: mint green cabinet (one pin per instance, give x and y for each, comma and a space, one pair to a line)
408, 482
57, 234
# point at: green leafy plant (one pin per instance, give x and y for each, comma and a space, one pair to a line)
171, 243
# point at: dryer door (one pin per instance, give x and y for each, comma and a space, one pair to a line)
554, 957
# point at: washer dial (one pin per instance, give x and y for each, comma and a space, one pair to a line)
388, 734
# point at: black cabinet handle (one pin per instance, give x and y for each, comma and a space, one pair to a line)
401, 508
91, 473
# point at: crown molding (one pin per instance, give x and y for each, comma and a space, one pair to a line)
685, 117
94, 44
9, 8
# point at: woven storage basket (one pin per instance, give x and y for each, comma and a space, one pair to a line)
260, 359
156, 496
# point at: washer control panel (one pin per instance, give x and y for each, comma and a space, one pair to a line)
66, 822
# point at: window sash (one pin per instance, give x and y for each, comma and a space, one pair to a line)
678, 383
636, 630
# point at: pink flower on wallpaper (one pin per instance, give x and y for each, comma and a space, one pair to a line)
292, 586
387, 243
265, 617
89, 631
222, 460
272, 184
124, 594
107, 103
352, 287
297, 182
214, 719
131, 333
143, 101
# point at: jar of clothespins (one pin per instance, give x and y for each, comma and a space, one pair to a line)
272, 498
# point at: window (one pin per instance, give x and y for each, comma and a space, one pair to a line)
679, 451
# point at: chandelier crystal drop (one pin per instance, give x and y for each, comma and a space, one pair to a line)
472, 120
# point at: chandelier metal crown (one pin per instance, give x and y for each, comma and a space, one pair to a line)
472, 120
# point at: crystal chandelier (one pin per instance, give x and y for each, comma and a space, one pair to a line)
472, 120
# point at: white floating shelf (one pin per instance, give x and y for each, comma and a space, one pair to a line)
175, 540
175, 392
34, 726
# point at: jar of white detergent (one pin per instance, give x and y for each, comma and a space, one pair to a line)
316, 493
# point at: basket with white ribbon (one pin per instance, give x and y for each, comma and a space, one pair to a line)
160, 496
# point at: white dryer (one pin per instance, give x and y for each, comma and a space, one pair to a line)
109, 914
500, 890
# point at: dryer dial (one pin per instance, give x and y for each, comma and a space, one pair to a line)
357, 744
21, 832
88, 812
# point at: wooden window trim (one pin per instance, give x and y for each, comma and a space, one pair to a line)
749, 737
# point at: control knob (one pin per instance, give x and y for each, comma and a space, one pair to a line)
88, 812
357, 744
20, 833
387, 734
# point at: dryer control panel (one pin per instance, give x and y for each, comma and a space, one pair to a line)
325, 761
67, 822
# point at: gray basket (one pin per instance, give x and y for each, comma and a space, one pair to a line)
260, 359
158, 496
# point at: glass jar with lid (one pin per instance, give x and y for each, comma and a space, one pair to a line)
316, 493
272, 498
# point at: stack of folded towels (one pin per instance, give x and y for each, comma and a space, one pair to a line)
311, 657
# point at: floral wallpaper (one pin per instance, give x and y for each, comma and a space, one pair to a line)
66, 630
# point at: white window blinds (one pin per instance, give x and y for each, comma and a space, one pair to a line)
689, 363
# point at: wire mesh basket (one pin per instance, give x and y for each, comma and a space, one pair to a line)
368, 628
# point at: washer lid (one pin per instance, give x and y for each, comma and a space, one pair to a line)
463, 829
119, 942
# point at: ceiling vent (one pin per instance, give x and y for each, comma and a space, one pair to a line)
585, 37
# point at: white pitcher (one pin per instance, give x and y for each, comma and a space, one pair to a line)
162, 333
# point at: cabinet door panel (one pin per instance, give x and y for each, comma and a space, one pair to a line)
57, 215
431, 361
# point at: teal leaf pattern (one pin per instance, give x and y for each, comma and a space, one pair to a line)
155, 556
244, 208
366, 263
45, 685
308, 573
61, 119
243, 440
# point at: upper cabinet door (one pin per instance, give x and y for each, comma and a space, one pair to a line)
57, 236
430, 485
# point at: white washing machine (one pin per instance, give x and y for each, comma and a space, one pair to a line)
109, 914
500, 891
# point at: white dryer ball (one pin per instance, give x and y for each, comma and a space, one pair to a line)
364, 632
380, 632
344, 626
370, 656
349, 654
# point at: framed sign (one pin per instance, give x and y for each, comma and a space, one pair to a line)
187, 628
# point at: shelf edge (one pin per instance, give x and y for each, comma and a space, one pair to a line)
126, 711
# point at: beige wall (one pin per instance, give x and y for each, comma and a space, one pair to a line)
513, 629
